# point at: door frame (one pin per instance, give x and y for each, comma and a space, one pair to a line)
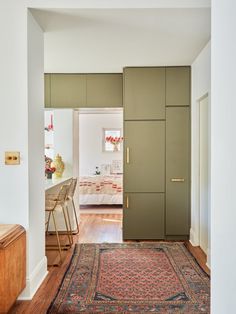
195, 173
208, 151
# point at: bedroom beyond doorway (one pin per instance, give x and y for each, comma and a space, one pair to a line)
101, 160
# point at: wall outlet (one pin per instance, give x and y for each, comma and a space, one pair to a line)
12, 158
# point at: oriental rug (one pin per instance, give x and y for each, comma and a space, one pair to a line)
160, 277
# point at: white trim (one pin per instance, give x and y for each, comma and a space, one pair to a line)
208, 263
193, 240
105, 4
101, 211
99, 110
34, 280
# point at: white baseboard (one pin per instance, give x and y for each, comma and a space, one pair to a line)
208, 263
101, 211
34, 280
193, 239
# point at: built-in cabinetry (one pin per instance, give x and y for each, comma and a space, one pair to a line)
67, 90
156, 155
83, 90
177, 170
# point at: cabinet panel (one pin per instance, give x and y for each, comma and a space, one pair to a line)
144, 216
144, 144
104, 90
177, 170
178, 86
144, 93
68, 90
47, 90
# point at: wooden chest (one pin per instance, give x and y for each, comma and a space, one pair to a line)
12, 264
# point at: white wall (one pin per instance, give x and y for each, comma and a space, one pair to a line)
48, 135
223, 159
63, 138
21, 129
201, 85
37, 262
90, 145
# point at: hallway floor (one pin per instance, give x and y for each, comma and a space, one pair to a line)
94, 228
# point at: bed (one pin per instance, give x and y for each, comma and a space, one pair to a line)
101, 190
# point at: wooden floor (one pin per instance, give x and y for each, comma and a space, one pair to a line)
94, 228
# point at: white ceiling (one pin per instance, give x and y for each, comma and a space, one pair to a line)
106, 40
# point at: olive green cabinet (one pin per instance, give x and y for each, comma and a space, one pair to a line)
144, 156
104, 90
83, 90
68, 90
144, 93
178, 86
47, 90
177, 170
156, 153
143, 216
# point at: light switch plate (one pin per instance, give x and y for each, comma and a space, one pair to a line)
12, 158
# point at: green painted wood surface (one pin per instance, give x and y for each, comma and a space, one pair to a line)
177, 166
144, 217
68, 90
178, 86
145, 171
144, 93
83, 90
104, 90
47, 90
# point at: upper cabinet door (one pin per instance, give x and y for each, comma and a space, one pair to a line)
178, 86
68, 90
144, 93
47, 90
144, 164
104, 90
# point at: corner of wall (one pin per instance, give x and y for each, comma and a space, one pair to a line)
34, 280
193, 238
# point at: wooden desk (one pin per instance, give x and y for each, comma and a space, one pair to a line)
12, 264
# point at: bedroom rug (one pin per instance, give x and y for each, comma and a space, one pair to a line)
160, 277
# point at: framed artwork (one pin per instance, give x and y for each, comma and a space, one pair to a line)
116, 167
112, 140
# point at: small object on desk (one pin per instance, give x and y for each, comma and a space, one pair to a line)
59, 165
97, 171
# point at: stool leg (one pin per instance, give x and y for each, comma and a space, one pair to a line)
66, 224
58, 240
68, 215
49, 216
76, 218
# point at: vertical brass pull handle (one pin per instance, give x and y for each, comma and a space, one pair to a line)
127, 201
127, 155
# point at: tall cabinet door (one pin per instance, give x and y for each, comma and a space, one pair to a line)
144, 93
143, 216
144, 156
177, 170
178, 86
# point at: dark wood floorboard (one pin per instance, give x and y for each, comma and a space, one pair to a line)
94, 228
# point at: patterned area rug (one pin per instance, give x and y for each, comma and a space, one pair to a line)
159, 277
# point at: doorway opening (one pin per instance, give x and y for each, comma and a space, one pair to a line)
101, 172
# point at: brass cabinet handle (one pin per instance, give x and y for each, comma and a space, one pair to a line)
177, 180
127, 155
127, 201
